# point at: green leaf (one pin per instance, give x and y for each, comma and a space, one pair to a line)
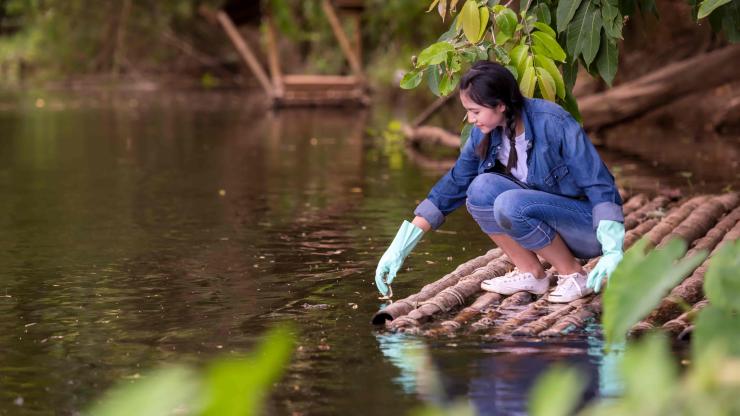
552, 69
546, 83
722, 280
411, 79
612, 18
451, 32
571, 105
545, 28
708, 6
431, 75
715, 326
528, 80
501, 55
513, 71
239, 386
447, 83
465, 134
570, 73
435, 53
484, 16
640, 282
161, 392
471, 21
542, 12
565, 12
583, 32
505, 25
549, 43
519, 56
557, 392
607, 61
649, 374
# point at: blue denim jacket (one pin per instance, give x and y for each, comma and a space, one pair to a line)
560, 160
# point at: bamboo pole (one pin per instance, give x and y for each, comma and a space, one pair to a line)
273, 58
671, 221
490, 316
245, 52
646, 210
702, 218
535, 327
404, 306
486, 300
452, 296
344, 44
678, 325
691, 289
634, 203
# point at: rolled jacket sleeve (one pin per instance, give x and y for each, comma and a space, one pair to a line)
590, 172
450, 191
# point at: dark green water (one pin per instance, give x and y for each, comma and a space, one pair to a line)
180, 227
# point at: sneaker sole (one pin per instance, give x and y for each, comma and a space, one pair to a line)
488, 288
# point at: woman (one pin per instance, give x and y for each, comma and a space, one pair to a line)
533, 182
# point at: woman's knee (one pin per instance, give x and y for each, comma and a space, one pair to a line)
507, 208
485, 188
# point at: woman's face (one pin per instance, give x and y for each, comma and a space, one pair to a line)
485, 118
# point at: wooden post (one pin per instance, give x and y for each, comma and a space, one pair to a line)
273, 56
352, 58
246, 53
357, 26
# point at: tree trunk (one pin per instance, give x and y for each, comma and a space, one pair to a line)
658, 88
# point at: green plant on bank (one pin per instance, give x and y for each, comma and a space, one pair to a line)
651, 380
226, 387
542, 42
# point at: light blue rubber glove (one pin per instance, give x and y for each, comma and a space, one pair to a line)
611, 236
406, 238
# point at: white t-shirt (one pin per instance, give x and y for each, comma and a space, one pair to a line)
520, 170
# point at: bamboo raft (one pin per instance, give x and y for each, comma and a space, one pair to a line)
455, 304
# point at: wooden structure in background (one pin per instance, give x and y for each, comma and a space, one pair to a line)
304, 89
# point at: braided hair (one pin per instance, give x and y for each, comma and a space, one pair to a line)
490, 84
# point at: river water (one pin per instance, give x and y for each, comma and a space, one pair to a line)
179, 227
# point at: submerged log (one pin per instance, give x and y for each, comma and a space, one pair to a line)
577, 319
403, 306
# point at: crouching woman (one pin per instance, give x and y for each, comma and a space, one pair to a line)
534, 183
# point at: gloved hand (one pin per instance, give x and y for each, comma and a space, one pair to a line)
611, 236
406, 238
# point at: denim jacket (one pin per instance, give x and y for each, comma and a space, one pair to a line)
560, 160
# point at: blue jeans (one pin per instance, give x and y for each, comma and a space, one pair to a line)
531, 218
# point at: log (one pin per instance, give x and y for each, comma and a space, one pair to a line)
648, 210
344, 43
671, 221
449, 327
634, 203
431, 135
535, 327
636, 97
490, 316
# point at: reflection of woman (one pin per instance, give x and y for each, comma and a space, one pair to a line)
533, 182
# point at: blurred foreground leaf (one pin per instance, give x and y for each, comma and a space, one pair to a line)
161, 392
640, 282
237, 387
557, 392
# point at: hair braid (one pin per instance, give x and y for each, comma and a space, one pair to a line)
511, 132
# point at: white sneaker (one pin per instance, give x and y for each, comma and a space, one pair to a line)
516, 281
570, 287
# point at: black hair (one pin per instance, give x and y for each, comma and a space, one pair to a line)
490, 84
